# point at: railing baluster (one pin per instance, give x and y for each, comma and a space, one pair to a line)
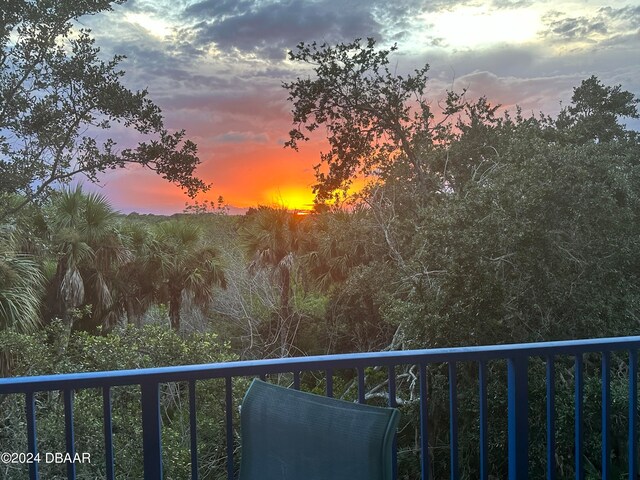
361, 387
393, 404
633, 414
551, 419
518, 421
68, 429
424, 432
296, 380
108, 433
151, 436
32, 437
579, 430
606, 426
329, 377
484, 443
453, 420
193, 430
229, 422
391, 375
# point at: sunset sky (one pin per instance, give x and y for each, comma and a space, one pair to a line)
215, 67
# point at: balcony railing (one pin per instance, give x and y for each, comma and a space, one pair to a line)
518, 358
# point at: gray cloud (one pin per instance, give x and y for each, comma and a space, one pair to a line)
194, 87
576, 28
605, 23
271, 28
218, 8
628, 14
508, 4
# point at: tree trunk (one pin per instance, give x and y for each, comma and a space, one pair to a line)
285, 312
132, 317
175, 301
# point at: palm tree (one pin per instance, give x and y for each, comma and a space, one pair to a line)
339, 240
183, 264
89, 250
134, 282
21, 286
272, 237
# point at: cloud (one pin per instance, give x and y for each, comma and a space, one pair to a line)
605, 23
241, 137
581, 28
535, 76
509, 4
218, 8
271, 28
532, 94
629, 14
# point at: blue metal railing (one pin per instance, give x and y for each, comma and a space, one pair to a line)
517, 358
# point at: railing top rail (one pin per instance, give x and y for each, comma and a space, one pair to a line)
319, 362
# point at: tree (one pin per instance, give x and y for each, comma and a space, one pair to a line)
134, 282
272, 237
89, 252
372, 116
183, 264
338, 240
595, 111
57, 97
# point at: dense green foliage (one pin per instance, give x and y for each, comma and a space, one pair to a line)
128, 348
480, 229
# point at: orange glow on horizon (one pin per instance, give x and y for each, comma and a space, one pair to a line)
291, 198
245, 175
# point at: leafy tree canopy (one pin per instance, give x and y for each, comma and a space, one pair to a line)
57, 97
379, 122
372, 115
595, 111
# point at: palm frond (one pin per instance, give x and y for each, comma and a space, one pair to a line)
98, 217
21, 287
68, 208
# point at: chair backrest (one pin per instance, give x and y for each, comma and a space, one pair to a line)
292, 435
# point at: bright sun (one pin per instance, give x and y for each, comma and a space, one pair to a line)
479, 26
292, 198
154, 26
